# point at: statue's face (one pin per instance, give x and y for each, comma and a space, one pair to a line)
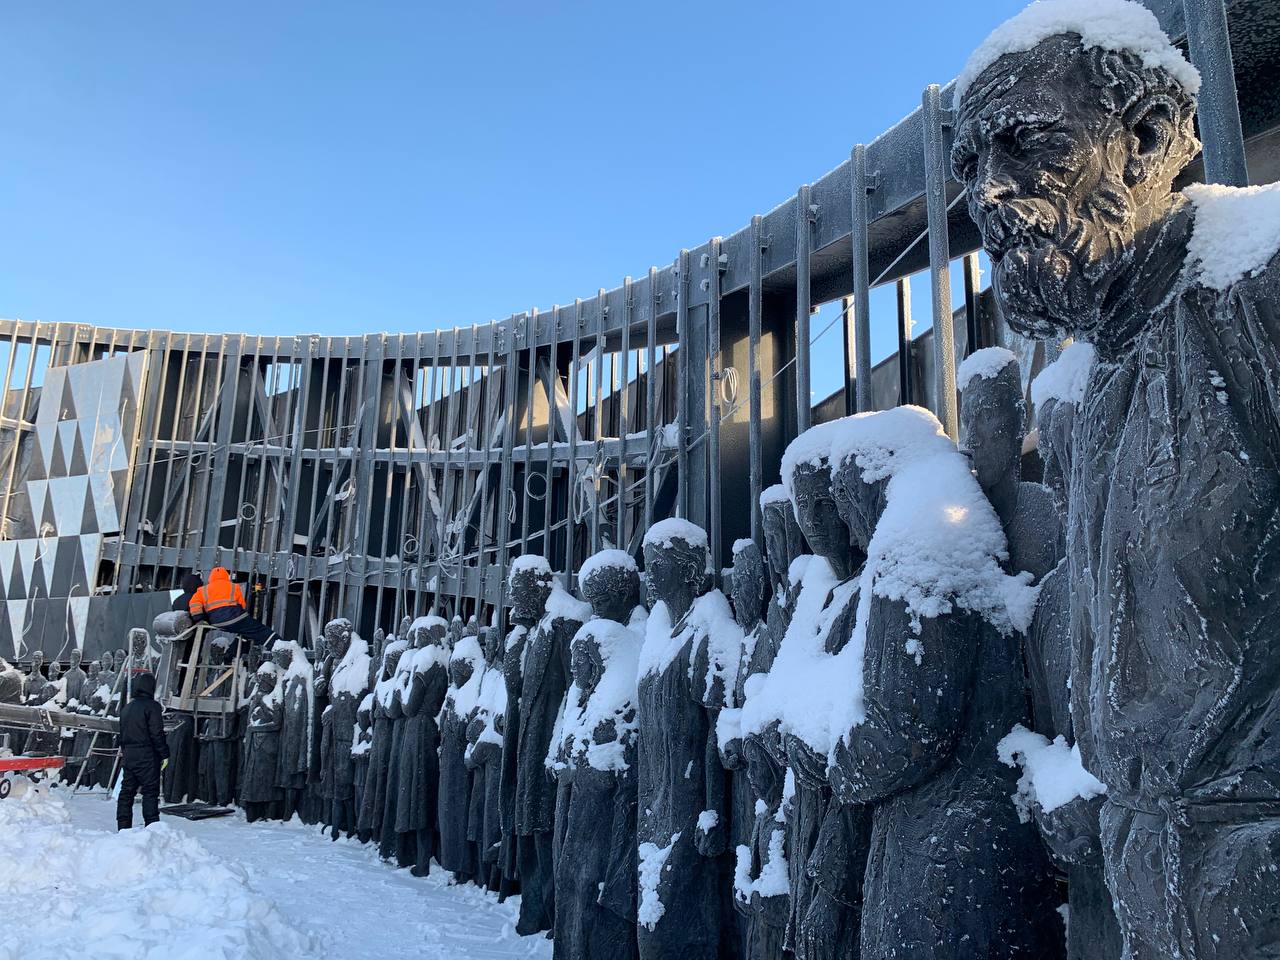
672, 569
860, 503
405, 624
37, 660
777, 519
138, 642
282, 656
1056, 176
266, 683
492, 646
816, 513
1054, 421
391, 662
748, 584
95, 668
527, 594
380, 635
55, 670
338, 633
991, 418
613, 592
120, 657
76, 658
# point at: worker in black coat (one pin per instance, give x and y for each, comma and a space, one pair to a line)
190, 583
144, 752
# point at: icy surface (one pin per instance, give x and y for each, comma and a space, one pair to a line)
1066, 378
662, 533
1052, 774
602, 560
322, 899
1236, 234
985, 363
1109, 24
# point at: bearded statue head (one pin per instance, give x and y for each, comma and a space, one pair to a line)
1068, 155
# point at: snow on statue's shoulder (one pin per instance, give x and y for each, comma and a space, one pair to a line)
664, 532
711, 620
1052, 773
985, 363
1236, 233
563, 605
613, 699
1108, 24
1066, 378
604, 559
351, 676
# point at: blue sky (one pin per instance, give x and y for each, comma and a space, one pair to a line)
297, 167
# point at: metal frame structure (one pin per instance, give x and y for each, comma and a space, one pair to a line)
380, 475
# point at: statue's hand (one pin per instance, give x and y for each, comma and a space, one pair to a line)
731, 755
1071, 831
711, 842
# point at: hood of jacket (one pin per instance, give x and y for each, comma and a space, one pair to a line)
143, 685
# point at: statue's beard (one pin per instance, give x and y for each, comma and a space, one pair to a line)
1052, 268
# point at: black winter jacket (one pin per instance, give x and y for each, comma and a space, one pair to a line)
190, 584
141, 738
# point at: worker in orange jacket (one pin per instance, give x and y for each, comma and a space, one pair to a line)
220, 603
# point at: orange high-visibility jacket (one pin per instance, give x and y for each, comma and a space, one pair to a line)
218, 592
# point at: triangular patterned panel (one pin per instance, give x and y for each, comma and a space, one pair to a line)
79, 610
67, 495
46, 562
37, 491
8, 557
17, 610
105, 444
66, 569
102, 487
88, 513
18, 578
67, 407
67, 431
46, 517
96, 387
51, 395
90, 548
58, 462
78, 462
45, 440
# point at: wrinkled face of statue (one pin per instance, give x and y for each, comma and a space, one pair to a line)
781, 537
992, 413
405, 624
379, 636
672, 569
492, 645
138, 643
527, 593
55, 670
817, 515
266, 682
586, 663
282, 656
95, 668
1054, 422
37, 661
860, 503
76, 659
391, 663
338, 635
748, 584
120, 658
613, 592
1066, 156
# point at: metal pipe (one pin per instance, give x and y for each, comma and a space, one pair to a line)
755, 312
650, 394
682, 386
804, 306
935, 180
713, 362
906, 347
972, 322
1218, 108
861, 278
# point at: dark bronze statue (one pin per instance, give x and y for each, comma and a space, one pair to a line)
1069, 153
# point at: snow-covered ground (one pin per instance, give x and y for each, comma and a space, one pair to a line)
224, 889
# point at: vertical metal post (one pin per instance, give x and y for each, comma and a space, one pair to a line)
1218, 109
531, 337
597, 417
571, 498
650, 395
624, 420
861, 279
906, 349
512, 407
553, 417
972, 323
935, 188
804, 306
682, 385
755, 320
850, 323
713, 358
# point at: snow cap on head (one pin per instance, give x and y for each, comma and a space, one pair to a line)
662, 533
775, 494
528, 563
883, 442
740, 545
985, 363
1236, 233
1066, 378
619, 559
1109, 24
430, 620
813, 447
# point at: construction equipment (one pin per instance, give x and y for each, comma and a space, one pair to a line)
28, 765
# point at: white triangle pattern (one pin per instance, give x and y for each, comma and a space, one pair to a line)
79, 607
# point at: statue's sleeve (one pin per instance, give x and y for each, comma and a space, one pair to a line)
917, 691
396, 709
711, 843
273, 718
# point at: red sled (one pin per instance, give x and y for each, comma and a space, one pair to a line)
15, 764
